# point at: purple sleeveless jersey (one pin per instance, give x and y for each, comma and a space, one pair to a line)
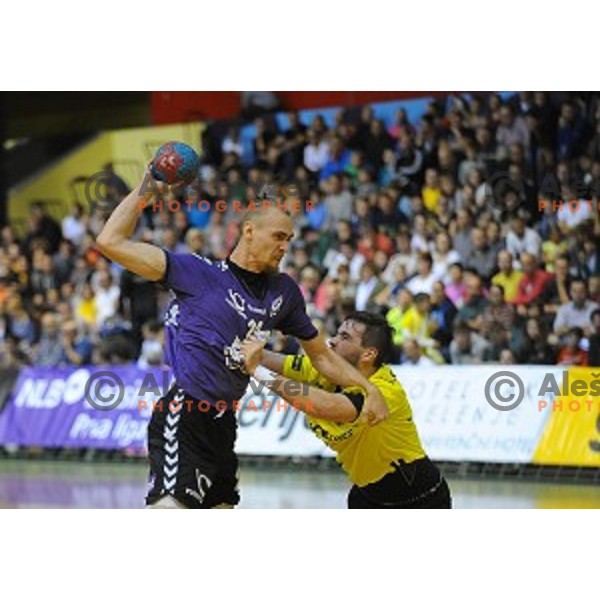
211, 314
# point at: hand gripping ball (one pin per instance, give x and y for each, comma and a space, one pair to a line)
175, 162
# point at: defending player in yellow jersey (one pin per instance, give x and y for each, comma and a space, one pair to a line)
386, 463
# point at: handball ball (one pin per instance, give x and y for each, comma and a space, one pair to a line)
175, 162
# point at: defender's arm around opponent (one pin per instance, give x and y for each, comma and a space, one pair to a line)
387, 464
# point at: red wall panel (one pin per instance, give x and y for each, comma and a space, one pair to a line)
177, 107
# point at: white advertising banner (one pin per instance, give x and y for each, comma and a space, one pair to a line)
269, 426
455, 420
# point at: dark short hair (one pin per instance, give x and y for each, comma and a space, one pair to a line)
426, 257
377, 334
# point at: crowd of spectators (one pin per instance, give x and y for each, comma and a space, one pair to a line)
404, 224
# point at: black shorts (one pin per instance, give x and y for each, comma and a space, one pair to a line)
411, 485
191, 452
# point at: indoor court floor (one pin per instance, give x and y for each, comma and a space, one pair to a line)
47, 484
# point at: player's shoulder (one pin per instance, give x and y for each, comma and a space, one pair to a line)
187, 270
386, 379
283, 283
282, 279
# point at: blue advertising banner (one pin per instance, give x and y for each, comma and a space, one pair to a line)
82, 407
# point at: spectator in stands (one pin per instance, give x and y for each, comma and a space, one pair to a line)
556, 291
194, 241
139, 301
316, 152
569, 131
422, 282
338, 158
594, 288
467, 347
42, 226
64, 262
338, 203
512, 129
431, 191
396, 315
107, 298
482, 258
76, 348
494, 238
74, 225
443, 313
507, 277
507, 357
456, 288
49, 352
532, 284
404, 257
19, 324
533, 347
409, 157
43, 275
413, 355
151, 354
376, 142
443, 255
418, 323
522, 239
461, 240
498, 313
594, 339
577, 313
232, 143
369, 287
471, 312
570, 353
553, 248
585, 259
86, 310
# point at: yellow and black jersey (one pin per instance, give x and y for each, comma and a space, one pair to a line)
366, 453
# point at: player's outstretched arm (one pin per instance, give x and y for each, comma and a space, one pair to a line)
302, 396
114, 241
273, 361
342, 373
309, 399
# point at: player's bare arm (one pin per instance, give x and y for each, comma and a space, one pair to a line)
271, 360
114, 241
340, 372
329, 364
308, 399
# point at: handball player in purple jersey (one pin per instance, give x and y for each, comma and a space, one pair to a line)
216, 306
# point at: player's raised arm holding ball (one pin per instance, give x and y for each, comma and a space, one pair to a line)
215, 307
175, 163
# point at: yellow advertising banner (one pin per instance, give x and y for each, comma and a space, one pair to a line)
572, 434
